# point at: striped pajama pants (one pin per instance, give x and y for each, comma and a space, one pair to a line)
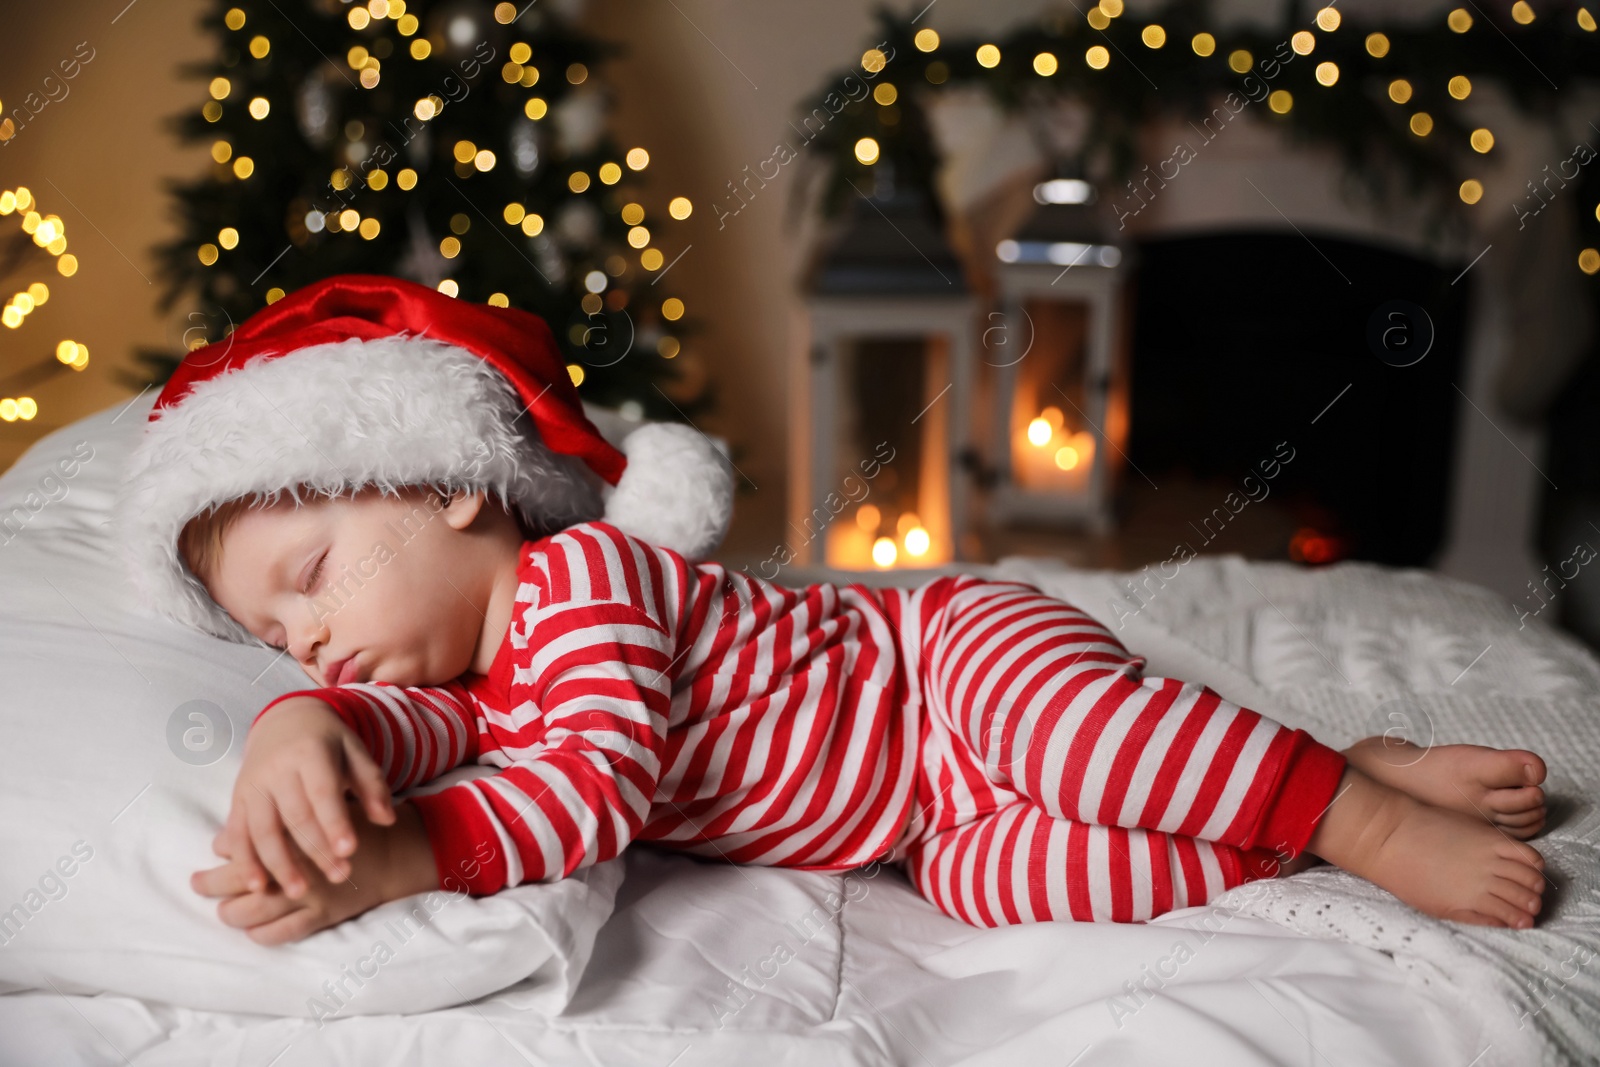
1056, 781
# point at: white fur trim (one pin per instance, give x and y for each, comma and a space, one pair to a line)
676, 491
389, 412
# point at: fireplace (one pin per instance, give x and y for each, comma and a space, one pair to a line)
1243, 340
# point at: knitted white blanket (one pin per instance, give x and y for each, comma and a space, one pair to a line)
1355, 650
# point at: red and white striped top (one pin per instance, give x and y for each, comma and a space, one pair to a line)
639, 696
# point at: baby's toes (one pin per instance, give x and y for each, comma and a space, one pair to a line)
1478, 918
1513, 801
1521, 874
1519, 897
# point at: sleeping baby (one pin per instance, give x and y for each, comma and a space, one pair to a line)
402, 491
998, 740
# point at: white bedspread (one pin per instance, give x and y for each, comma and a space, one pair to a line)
705, 963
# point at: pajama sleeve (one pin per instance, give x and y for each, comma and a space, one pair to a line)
581, 751
414, 733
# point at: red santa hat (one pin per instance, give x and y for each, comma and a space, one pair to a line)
365, 380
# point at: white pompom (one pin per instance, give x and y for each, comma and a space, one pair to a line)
677, 491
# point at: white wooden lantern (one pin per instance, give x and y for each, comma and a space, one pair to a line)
1056, 442
883, 392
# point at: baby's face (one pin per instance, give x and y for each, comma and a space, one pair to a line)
378, 582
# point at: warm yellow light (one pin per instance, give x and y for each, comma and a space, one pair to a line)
1053, 415
208, 254
867, 151
1327, 72
533, 225
1482, 140
651, 259
504, 13
632, 213
577, 73
1203, 44
1377, 45
1522, 12
1066, 457
369, 228
610, 173
1098, 19
873, 60
234, 19
228, 237
1399, 90
1460, 20
1421, 124
243, 167
1303, 42
67, 265
1460, 87
274, 295
511, 73
638, 237
222, 151
424, 109
1327, 19
520, 52
680, 207
1589, 261
377, 179
1471, 191
406, 179
484, 160
926, 40
498, 300
220, 88
988, 55
1111, 8
1039, 432
884, 552
1097, 57
450, 247
576, 373
885, 94
513, 213
39, 293
917, 541
421, 49
260, 46
349, 219
868, 517
668, 347
67, 351
1153, 36
638, 159
672, 309
1585, 20
1281, 101
407, 25
1239, 60
577, 181
1045, 64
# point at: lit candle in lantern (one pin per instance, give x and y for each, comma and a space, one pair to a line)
1048, 457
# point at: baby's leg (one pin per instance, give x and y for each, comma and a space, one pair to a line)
1054, 707
1501, 785
1018, 865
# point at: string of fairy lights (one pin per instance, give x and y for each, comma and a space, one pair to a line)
1054, 57
362, 186
49, 232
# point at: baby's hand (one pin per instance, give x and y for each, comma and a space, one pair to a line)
392, 862
298, 761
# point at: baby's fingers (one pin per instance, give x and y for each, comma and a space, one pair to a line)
304, 823
233, 842
368, 783
332, 823
266, 834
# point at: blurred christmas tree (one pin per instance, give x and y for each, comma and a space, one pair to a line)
455, 144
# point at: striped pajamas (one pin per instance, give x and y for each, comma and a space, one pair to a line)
998, 741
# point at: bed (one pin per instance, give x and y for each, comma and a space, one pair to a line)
116, 772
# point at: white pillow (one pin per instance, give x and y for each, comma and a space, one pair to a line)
122, 735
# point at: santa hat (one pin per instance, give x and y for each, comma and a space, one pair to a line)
364, 380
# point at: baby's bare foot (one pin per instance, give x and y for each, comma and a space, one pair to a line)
1501, 785
1442, 862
